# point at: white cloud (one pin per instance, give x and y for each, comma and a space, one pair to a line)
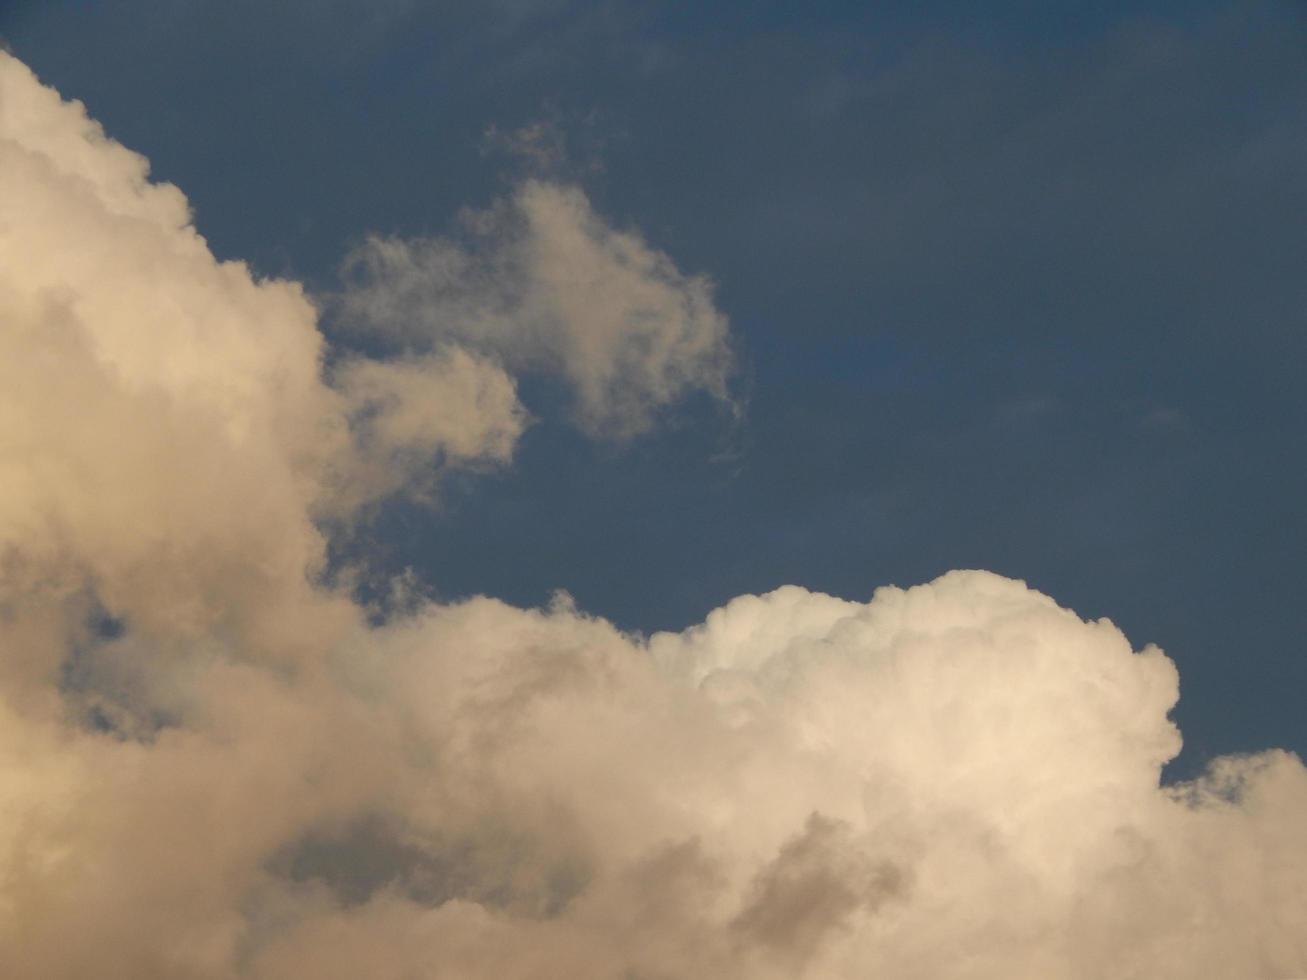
240, 778
167, 437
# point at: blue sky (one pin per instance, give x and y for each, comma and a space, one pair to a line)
1018, 290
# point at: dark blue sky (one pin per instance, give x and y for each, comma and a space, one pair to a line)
1016, 286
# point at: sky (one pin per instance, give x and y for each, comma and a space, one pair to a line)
1017, 290
370, 463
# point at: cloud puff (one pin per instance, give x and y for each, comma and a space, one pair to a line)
215, 767
450, 405
544, 284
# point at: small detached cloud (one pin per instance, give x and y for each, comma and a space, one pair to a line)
408, 413
544, 284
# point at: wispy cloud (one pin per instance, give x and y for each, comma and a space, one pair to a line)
543, 283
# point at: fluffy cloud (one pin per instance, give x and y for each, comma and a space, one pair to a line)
450, 406
544, 284
215, 767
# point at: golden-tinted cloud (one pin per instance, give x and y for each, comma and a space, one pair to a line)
214, 766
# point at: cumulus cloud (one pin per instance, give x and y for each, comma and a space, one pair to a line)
543, 283
215, 767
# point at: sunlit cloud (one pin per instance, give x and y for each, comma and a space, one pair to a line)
216, 764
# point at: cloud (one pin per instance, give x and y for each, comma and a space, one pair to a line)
540, 145
544, 284
213, 766
817, 882
448, 405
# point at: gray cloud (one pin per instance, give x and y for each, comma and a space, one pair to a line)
817, 882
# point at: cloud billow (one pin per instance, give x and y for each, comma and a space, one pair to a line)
214, 766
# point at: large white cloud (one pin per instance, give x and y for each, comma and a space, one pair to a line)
214, 767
